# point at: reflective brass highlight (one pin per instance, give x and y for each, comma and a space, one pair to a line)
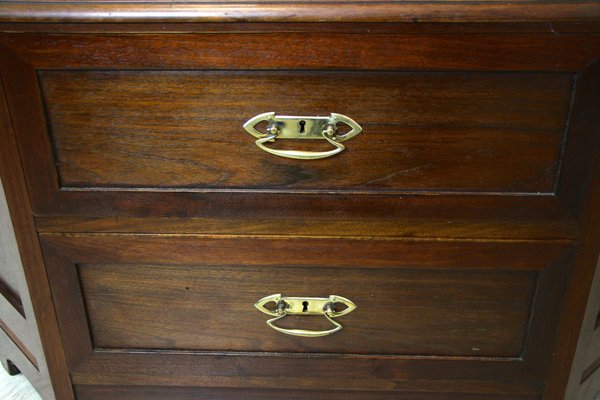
298, 127
304, 306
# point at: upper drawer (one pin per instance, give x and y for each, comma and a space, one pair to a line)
455, 126
421, 131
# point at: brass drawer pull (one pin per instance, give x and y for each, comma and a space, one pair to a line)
294, 127
304, 306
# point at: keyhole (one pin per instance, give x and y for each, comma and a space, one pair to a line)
302, 123
304, 306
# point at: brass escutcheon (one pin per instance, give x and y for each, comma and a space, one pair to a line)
325, 306
298, 127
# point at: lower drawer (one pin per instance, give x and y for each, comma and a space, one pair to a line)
177, 311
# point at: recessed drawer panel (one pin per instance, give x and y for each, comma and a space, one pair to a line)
400, 311
191, 298
481, 132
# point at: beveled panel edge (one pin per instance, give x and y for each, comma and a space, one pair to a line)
387, 11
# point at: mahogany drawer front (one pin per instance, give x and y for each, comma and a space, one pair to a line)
152, 128
189, 298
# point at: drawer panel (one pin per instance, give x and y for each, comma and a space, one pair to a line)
476, 128
400, 311
421, 131
456, 315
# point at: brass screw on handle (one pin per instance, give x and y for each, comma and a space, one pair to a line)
304, 306
273, 129
304, 128
330, 131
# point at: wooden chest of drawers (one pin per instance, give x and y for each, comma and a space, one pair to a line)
140, 223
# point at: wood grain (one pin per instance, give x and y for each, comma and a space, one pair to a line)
443, 132
401, 311
102, 262
89, 392
590, 26
43, 341
398, 375
308, 50
306, 252
425, 227
529, 177
286, 11
439, 51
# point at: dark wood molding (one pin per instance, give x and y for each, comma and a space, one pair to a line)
290, 11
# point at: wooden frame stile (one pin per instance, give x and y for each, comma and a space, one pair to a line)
50, 375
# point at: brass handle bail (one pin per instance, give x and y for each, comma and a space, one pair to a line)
304, 306
297, 127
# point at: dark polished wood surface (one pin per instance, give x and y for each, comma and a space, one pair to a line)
464, 220
29, 335
286, 11
431, 132
108, 285
29, 56
402, 311
88, 392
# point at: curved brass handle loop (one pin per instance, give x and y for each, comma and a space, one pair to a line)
298, 154
304, 306
304, 332
297, 127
